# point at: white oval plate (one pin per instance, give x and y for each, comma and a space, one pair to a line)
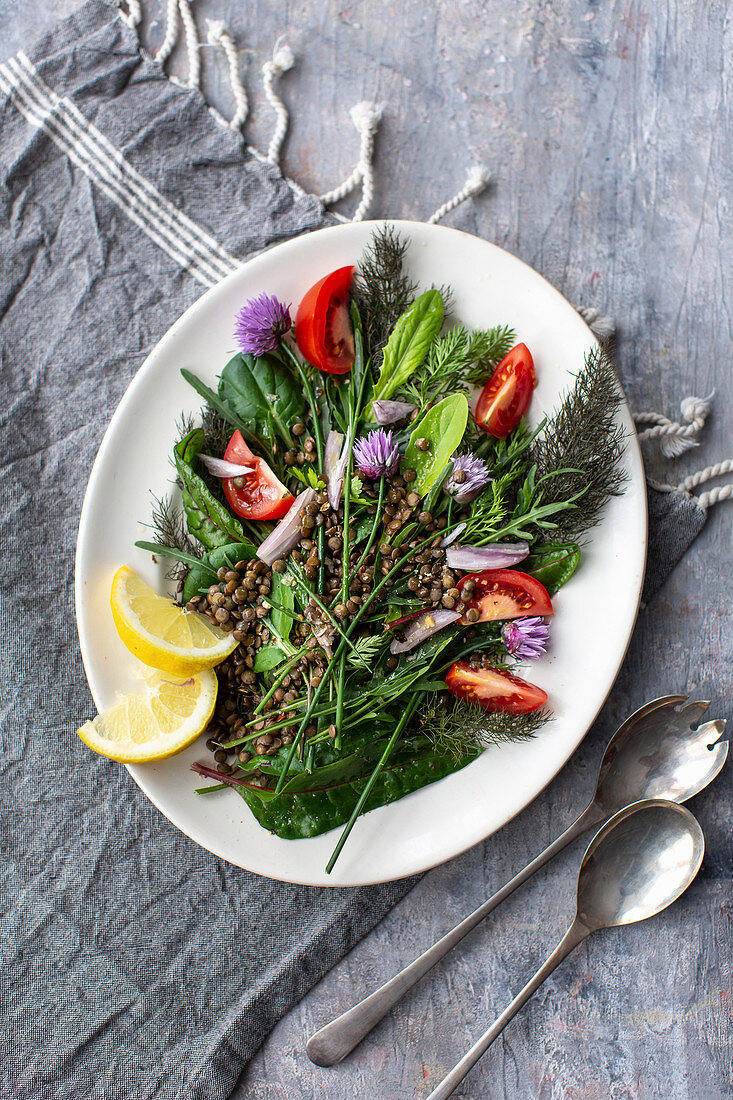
595, 613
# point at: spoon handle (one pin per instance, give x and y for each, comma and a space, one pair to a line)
334, 1041
575, 934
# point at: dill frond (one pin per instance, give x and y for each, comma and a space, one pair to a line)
367, 649
381, 289
217, 432
581, 448
457, 362
457, 728
169, 524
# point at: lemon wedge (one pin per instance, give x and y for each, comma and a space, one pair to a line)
161, 720
162, 634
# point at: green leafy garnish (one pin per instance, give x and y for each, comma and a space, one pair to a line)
264, 394
409, 343
552, 563
443, 427
208, 520
582, 446
381, 289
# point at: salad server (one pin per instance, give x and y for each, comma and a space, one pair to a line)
640, 862
658, 752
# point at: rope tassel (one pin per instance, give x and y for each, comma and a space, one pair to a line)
218, 35
712, 496
366, 117
674, 437
179, 12
476, 181
282, 60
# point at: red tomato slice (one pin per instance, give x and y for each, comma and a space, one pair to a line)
323, 326
506, 396
494, 689
261, 496
505, 594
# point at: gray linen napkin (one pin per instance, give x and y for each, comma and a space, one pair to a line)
134, 964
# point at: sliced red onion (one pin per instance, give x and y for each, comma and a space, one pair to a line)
387, 412
420, 629
331, 461
334, 466
453, 535
287, 534
219, 467
499, 556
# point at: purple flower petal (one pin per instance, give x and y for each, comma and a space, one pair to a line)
261, 323
525, 638
473, 477
376, 454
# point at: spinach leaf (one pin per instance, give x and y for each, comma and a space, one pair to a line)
270, 656
292, 814
264, 394
443, 426
208, 520
408, 344
282, 595
553, 564
203, 574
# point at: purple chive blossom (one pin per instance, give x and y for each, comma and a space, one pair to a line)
261, 323
473, 476
376, 454
525, 638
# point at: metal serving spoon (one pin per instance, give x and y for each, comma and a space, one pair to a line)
656, 753
637, 865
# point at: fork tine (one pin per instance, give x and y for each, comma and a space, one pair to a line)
715, 725
694, 711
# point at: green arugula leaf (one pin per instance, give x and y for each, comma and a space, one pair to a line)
553, 564
408, 344
211, 398
208, 520
443, 426
264, 395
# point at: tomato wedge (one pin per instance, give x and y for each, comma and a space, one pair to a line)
504, 594
506, 396
493, 689
323, 326
261, 495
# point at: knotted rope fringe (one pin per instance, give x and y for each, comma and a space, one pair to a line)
282, 60
366, 117
131, 12
218, 35
675, 438
176, 9
712, 496
477, 179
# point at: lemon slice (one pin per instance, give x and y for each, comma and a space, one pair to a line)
161, 720
162, 634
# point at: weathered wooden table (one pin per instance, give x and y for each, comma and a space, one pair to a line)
607, 128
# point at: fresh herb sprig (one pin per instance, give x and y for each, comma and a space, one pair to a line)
382, 290
582, 446
458, 361
456, 728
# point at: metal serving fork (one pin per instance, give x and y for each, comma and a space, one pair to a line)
659, 752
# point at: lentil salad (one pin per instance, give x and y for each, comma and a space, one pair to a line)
356, 528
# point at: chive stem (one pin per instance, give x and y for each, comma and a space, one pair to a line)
406, 716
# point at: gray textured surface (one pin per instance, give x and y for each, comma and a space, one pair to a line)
608, 128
